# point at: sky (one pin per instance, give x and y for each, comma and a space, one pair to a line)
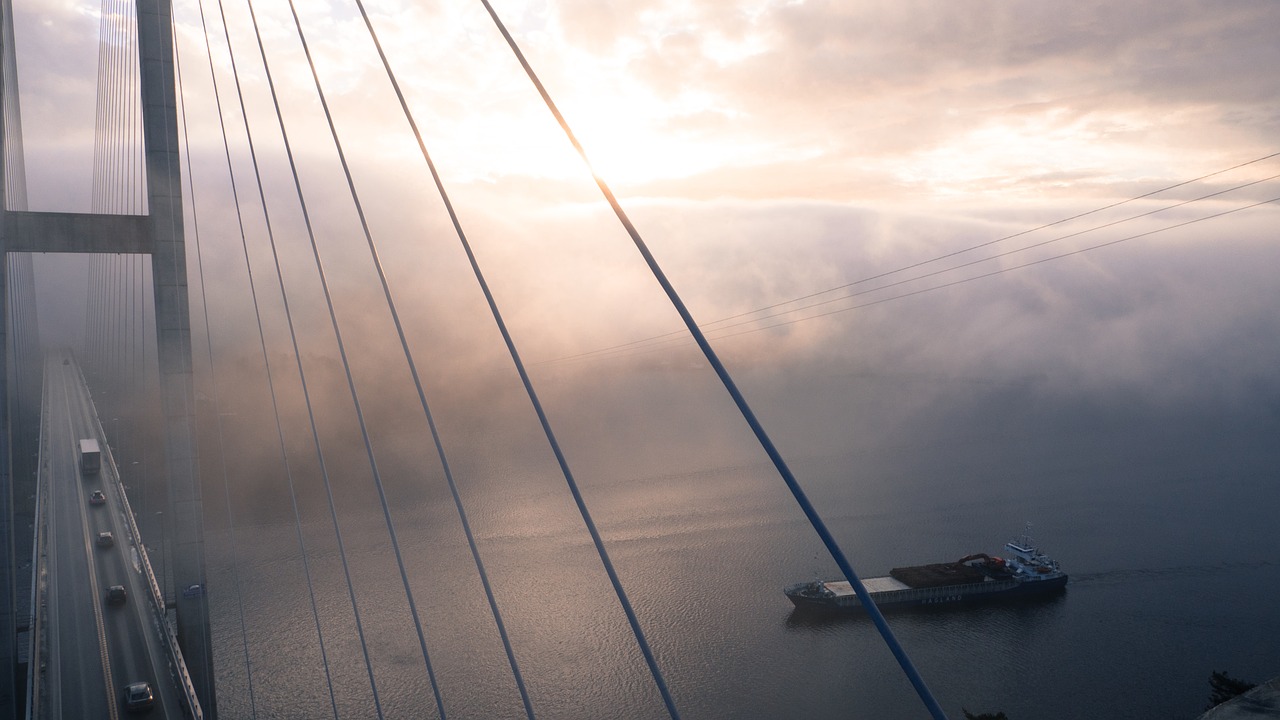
767, 151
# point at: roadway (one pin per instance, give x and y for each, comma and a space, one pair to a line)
94, 648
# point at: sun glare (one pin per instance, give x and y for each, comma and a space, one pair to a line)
627, 149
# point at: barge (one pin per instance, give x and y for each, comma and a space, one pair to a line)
979, 577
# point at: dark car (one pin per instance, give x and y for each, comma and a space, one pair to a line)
116, 595
138, 697
106, 539
97, 498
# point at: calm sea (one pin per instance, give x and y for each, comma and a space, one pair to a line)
1168, 530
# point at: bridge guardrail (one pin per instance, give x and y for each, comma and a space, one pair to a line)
35, 629
159, 609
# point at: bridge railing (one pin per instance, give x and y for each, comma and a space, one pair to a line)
191, 704
35, 630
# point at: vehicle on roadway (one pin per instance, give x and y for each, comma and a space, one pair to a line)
138, 697
90, 456
116, 595
97, 498
106, 539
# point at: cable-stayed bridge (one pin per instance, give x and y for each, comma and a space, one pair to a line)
140, 361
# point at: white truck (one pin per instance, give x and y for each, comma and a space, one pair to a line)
90, 456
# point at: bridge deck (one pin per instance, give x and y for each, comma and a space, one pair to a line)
91, 648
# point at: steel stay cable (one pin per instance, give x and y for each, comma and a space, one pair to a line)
993, 273
422, 398
113, 316
15, 163
117, 98
125, 205
1021, 249
109, 108
908, 668
94, 311
596, 539
122, 111
1047, 225
100, 105
117, 334
1039, 261
122, 128
315, 433
135, 114
217, 402
342, 350
104, 105
623, 350
95, 183
262, 341
118, 91
88, 305
708, 326
113, 168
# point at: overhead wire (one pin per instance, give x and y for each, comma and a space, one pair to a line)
819, 526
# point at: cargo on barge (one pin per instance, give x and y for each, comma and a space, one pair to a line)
1025, 571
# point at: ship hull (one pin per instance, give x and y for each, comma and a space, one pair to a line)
986, 591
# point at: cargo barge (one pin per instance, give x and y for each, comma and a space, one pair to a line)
980, 577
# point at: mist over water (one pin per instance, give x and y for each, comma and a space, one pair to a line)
1125, 404
1126, 407
1161, 516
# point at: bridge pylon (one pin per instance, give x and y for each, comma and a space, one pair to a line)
159, 234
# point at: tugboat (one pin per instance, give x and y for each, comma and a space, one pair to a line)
978, 577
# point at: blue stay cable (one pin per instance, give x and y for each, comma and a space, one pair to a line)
596, 540
763, 437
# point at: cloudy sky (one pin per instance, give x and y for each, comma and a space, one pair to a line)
768, 151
